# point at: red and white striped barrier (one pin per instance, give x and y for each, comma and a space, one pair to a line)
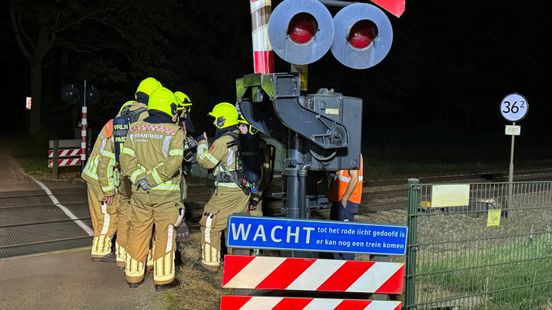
309, 274
263, 56
84, 124
290, 303
65, 153
68, 162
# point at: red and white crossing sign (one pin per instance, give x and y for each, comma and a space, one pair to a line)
310, 274
395, 7
62, 153
67, 162
258, 302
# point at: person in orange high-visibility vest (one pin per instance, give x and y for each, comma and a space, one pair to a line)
346, 195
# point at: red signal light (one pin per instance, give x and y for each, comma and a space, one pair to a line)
362, 34
302, 28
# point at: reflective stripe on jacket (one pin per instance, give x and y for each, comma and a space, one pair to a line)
219, 156
154, 152
100, 167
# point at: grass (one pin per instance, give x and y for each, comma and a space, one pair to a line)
501, 277
420, 160
200, 290
32, 153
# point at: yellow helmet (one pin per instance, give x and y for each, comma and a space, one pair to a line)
148, 86
183, 100
225, 115
242, 120
163, 100
130, 102
252, 130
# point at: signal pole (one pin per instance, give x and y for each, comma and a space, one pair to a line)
84, 125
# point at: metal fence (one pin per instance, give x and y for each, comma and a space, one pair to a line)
479, 246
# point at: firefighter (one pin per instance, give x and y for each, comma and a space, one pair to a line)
346, 194
184, 106
152, 158
101, 180
229, 196
250, 154
130, 112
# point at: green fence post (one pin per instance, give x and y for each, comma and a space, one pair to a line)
413, 196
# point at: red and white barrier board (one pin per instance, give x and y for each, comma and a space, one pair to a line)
303, 303
309, 274
68, 162
65, 153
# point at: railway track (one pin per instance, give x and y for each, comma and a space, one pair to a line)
30, 223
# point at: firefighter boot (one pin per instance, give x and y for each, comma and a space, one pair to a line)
134, 272
120, 256
101, 249
210, 258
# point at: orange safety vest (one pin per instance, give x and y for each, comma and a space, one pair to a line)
340, 185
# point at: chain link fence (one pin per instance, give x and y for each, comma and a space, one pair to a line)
479, 246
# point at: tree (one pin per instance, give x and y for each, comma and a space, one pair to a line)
36, 26
110, 33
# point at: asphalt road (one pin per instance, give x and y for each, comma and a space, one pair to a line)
64, 279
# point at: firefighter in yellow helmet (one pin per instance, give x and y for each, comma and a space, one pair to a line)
152, 157
184, 106
228, 197
129, 113
101, 183
252, 158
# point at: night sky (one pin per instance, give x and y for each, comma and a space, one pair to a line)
450, 65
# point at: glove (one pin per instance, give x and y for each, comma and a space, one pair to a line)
189, 157
253, 204
143, 183
189, 143
182, 232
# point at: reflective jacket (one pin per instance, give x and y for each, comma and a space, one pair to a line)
342, 181
222, 155
100, 167
154, 151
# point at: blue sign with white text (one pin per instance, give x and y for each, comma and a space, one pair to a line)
314, 235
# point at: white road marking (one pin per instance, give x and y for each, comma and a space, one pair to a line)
67, 212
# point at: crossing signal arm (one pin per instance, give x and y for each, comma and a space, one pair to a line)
329, 122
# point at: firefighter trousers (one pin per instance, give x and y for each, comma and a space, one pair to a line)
124, 223
104, 221
159, 208
123, 227
224, 202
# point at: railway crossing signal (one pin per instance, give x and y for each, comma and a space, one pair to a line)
303, 31
322, 130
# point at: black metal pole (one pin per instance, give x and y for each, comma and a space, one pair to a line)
294, 160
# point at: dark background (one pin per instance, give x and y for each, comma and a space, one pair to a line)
438, 89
